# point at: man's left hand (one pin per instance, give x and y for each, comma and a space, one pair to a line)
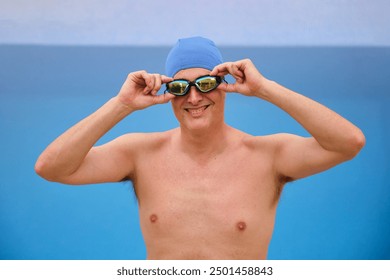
249, 81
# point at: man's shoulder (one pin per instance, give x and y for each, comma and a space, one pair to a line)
264, 141
147, 140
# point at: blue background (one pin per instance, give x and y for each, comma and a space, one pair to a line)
227, 22
342, 213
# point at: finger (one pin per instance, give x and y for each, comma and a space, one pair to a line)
166, 79
147, 80
228, 87
163, 98
231, 68
149, 85
152, 83
157, 84
235, 72
219, 70
169, 97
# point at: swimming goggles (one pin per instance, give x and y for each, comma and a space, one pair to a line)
204, 84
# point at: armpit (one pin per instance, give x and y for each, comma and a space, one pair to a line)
280, 182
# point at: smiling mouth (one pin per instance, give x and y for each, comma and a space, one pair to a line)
197, 112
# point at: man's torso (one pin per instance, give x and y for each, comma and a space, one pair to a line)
222, 207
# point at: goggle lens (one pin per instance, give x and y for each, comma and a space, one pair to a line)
206, 84
177, 87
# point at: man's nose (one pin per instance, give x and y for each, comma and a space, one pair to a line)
194, 96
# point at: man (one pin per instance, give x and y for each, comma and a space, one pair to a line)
205, 190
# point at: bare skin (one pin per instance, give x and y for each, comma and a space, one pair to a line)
205, 189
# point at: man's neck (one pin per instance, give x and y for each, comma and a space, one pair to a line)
204, 144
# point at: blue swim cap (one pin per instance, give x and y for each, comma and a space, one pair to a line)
193, 52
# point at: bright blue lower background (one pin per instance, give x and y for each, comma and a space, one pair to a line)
340, 214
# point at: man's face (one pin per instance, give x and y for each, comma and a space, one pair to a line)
197, 110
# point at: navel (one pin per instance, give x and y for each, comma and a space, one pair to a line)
241, 226
153, 218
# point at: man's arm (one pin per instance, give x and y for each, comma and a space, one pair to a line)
72, 159
334, 138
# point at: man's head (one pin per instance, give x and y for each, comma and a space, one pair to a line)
190, 59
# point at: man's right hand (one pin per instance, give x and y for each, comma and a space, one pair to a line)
139, 91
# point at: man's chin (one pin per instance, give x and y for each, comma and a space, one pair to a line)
196, 124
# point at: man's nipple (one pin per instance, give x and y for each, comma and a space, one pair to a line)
241, 226
153, 218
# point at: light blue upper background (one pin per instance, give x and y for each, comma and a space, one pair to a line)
228, 22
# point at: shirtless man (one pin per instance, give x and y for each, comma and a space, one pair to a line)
205, 190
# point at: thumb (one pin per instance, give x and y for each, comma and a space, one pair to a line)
228, 87
163, 98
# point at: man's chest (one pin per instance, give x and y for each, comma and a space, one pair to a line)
227, 179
